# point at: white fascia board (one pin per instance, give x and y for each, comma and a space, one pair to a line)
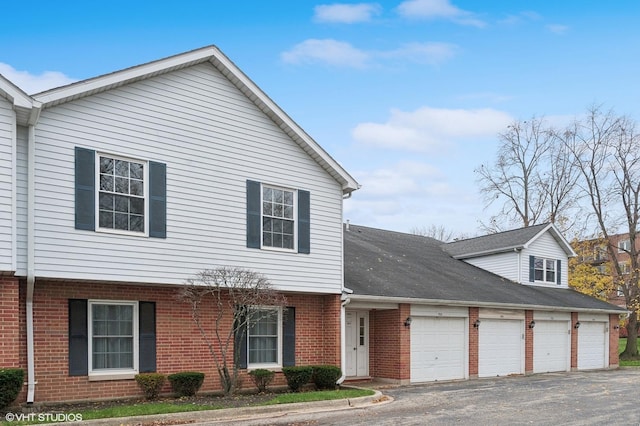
488, 252
557, 235
14, 94
470, 303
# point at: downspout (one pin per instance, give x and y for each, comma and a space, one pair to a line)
31, 250
343, 341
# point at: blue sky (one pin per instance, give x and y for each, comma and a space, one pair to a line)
407, 95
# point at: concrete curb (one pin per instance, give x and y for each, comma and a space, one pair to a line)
245, 413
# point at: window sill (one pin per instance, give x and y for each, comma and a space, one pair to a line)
98, 377
271, 367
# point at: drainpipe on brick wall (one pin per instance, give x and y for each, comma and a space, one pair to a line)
343, 343
31, 251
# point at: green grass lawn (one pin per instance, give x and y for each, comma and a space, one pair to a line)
166, 407
624, 362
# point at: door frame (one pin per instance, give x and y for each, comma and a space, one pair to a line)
357, 343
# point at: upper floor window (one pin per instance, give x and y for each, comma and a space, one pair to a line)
625, 267
121, 199
544, 269
624, 246
278, 223
120, 194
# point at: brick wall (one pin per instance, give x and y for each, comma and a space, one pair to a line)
180, 345
390, 346
473, 342
614, 322
528, 342
9, 322
574, 341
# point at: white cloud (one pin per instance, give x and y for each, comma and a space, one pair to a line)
339, 53
557, 28
432, 53
438, 9
346, 13
32, 83
332, 52
430, 129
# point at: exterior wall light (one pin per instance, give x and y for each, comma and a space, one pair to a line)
577, 325
616, 327
476, 323
407, 322
532, 324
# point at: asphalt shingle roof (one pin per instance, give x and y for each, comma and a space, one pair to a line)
494, 242
393, 264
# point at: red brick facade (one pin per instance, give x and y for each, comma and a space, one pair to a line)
180, 346
614, 324
528, 342
474, 315
9, 322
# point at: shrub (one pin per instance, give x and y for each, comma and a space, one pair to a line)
261, 378
186, 383
151, 383
326, 376
11, 380
297, 376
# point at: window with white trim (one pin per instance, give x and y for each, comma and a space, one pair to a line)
122, 203
625, 267
264, 337
544, 270
278, 217
113, 336
624, 246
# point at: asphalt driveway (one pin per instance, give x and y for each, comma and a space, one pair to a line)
578, 398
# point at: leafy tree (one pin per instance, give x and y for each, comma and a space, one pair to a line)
590, 271
228, 295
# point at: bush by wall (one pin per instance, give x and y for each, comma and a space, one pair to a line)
11, 380
326, 376
151, 384
261, 378
297, 376
186, 383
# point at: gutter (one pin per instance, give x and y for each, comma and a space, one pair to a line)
31, 250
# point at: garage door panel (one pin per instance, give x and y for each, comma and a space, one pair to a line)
551, 346
437, 349
500, 347
592, 345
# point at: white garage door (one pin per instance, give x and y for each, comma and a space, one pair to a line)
437, 349
500, 347
592, 345
551, 346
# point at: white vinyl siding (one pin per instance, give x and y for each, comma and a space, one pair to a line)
21, 202
503, 264
546, 247
212, 139
7, 188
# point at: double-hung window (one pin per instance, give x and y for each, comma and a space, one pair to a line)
545, 270
278, 220
264, 337
113, 337
121, 200
624, 246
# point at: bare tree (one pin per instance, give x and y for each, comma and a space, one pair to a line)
606, 150
231, 296
438, 232
530, 177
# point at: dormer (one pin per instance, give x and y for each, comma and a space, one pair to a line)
535, 255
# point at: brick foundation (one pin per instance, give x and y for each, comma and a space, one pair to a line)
9, 322
180, 346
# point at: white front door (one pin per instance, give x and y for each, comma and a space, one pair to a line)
357, 343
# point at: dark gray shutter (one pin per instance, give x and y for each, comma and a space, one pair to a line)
304, 222
532, 270
78, 338
559, 273
147, 336
157, 200
289, 337
85, 183
240, 344
253, 214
